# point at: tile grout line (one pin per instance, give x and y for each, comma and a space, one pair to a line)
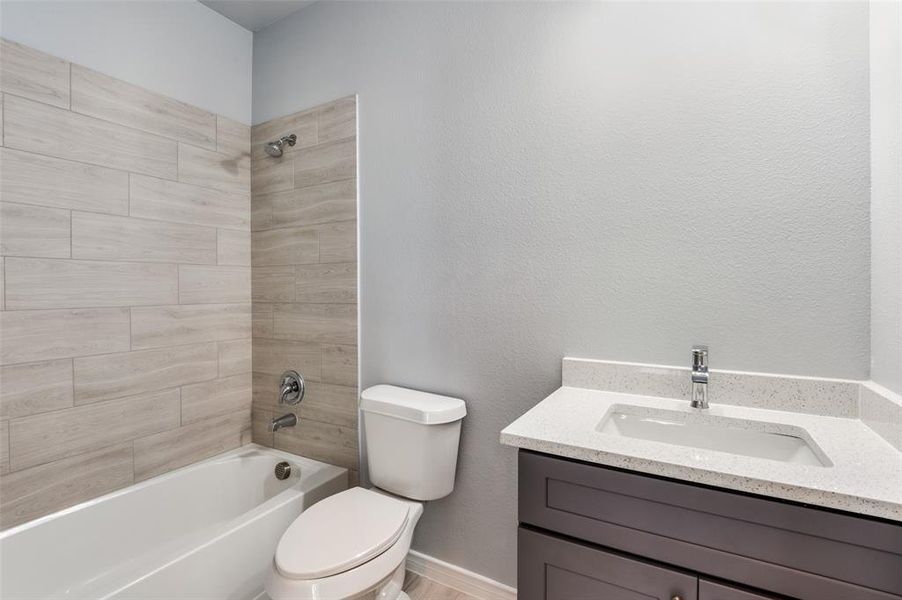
163, 136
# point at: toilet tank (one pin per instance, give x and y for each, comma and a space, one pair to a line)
411, 440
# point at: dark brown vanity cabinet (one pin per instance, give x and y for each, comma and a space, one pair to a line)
589, 532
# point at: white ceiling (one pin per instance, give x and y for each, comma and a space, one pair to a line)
256, 14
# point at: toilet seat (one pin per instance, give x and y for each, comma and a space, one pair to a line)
340, 533
377, 573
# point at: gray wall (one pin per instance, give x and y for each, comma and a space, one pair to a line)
178, 48
612, 181
886, 194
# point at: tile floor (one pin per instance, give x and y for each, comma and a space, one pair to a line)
420, 588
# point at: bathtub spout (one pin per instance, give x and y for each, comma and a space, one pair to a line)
289, 420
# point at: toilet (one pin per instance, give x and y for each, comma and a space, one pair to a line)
354, 545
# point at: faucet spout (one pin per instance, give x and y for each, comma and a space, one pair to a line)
699, 377
289, 420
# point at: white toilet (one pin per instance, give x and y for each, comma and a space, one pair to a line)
354, 544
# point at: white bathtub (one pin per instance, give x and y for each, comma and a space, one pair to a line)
208, 530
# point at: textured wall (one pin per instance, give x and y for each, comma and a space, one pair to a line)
179, 48
125, 241
886, 194
609, 180
304, 256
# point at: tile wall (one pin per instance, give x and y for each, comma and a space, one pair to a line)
125, 331
304, 256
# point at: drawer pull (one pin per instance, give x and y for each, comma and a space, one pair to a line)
677, 598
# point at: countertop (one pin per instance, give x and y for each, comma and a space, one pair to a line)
865, 477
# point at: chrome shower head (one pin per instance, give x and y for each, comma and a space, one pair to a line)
274, 149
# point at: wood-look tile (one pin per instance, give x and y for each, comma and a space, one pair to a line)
262, 320
164, 200
51, 283
340, 365
322, 323
261, 211
43, 129
202, 401
327, 403
302, 124
232, 138
34, 335
111, 99
273, 357
128, 373
337, 242
163, 452
421, 588
273, 284
214, 285
325, 203
33, 231
233, 247
206, 168
4, 450
292, 246
261, 420
32, 74
333, 161
262, 389
160, 326
50, 436
127, 238
32, 388
41, 180
270, 175
337, 120
334, 283
41, 490
235, 357
329, 443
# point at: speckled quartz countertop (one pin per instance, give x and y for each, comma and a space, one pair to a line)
865, 477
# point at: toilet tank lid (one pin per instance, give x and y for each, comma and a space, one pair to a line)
412, 405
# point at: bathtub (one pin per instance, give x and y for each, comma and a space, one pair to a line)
208, 530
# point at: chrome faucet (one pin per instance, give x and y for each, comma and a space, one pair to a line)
291, 391
699, 377
291, 388
289, 420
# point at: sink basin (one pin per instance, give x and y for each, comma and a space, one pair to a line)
758, 439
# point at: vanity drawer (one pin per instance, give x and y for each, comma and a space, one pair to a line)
789, 549
551, 568
709, 590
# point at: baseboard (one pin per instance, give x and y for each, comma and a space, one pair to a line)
452, 576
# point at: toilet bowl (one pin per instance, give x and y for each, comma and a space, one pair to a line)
354, 545
350, 545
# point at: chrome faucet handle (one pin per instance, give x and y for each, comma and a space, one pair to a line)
700, 358
291, 388
699, 377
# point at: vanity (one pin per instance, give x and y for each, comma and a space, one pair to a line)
637, 495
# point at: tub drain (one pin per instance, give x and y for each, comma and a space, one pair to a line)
283, 470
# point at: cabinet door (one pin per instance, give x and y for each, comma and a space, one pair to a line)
708, 590
552, 568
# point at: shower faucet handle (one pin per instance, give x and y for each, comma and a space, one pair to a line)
291, 388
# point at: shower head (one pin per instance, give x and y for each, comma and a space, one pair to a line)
274, 149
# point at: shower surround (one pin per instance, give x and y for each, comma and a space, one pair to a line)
125, 331
304, 257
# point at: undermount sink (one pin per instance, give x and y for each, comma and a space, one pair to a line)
758, 439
